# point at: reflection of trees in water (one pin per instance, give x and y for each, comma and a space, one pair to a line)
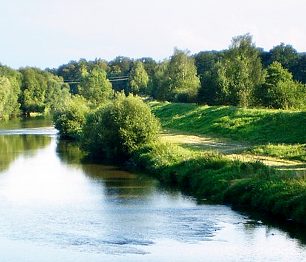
69, 152
119, 184
14, 145
33, 122
116, 183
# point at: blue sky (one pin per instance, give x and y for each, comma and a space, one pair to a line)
47, 33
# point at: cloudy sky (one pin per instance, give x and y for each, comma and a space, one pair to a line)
47, 33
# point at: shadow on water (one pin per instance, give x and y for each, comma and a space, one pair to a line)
116, 183
255, 219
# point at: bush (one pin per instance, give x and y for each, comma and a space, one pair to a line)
70, 120
116, 130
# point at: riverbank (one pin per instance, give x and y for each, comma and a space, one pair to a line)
277, 133
209, 175
214, 176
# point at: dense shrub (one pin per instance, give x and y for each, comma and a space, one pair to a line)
70, 120
117, 129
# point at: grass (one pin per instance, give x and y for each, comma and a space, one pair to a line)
209, 175
257, 126
291, 152
277, 133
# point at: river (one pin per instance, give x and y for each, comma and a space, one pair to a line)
55, 208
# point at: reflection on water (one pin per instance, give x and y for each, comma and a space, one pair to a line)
54, 208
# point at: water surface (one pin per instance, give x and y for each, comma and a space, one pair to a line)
53, 208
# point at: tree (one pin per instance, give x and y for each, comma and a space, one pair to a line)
119, 128
182, 77
120, 68
34, 86
57, 94
11, 104
206, 69
70, 120
95, 87
138, 79
286, 55
280, 90
239, 72
160, 86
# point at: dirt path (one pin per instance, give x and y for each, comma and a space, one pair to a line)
233, 150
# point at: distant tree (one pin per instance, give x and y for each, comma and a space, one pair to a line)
34, 86
57, 95
206, 69
239, 72
95, 87
160, 82
286, 55
182, 77
120, 68
299, 69
138, 79
281, 91
12, 106
70, 119
150, 66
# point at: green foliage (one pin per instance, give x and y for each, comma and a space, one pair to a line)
10, 81
95, 87
239, 73
70, 120
161, 88
281, 91
138, 79
72, 71
207, 70
42, 91
292, 152
177, 80
286, 55
119, 128
57, 95
183, 80
34, 86
252, 125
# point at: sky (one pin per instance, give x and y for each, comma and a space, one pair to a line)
48, 33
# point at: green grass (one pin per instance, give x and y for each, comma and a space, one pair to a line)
257, 126
209, 175
291, 152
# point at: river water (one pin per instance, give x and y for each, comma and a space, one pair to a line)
53, 208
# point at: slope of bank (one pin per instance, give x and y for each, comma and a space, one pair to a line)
276, 133
215, 176
252, 125
209, 175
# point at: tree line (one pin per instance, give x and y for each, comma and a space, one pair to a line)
242, 75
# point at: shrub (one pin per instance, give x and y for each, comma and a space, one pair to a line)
118, 129
69, 121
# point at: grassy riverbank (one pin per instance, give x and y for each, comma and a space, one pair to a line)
279, 133
208, 175
211, 175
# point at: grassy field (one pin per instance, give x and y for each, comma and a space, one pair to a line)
257, 126
276, 133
